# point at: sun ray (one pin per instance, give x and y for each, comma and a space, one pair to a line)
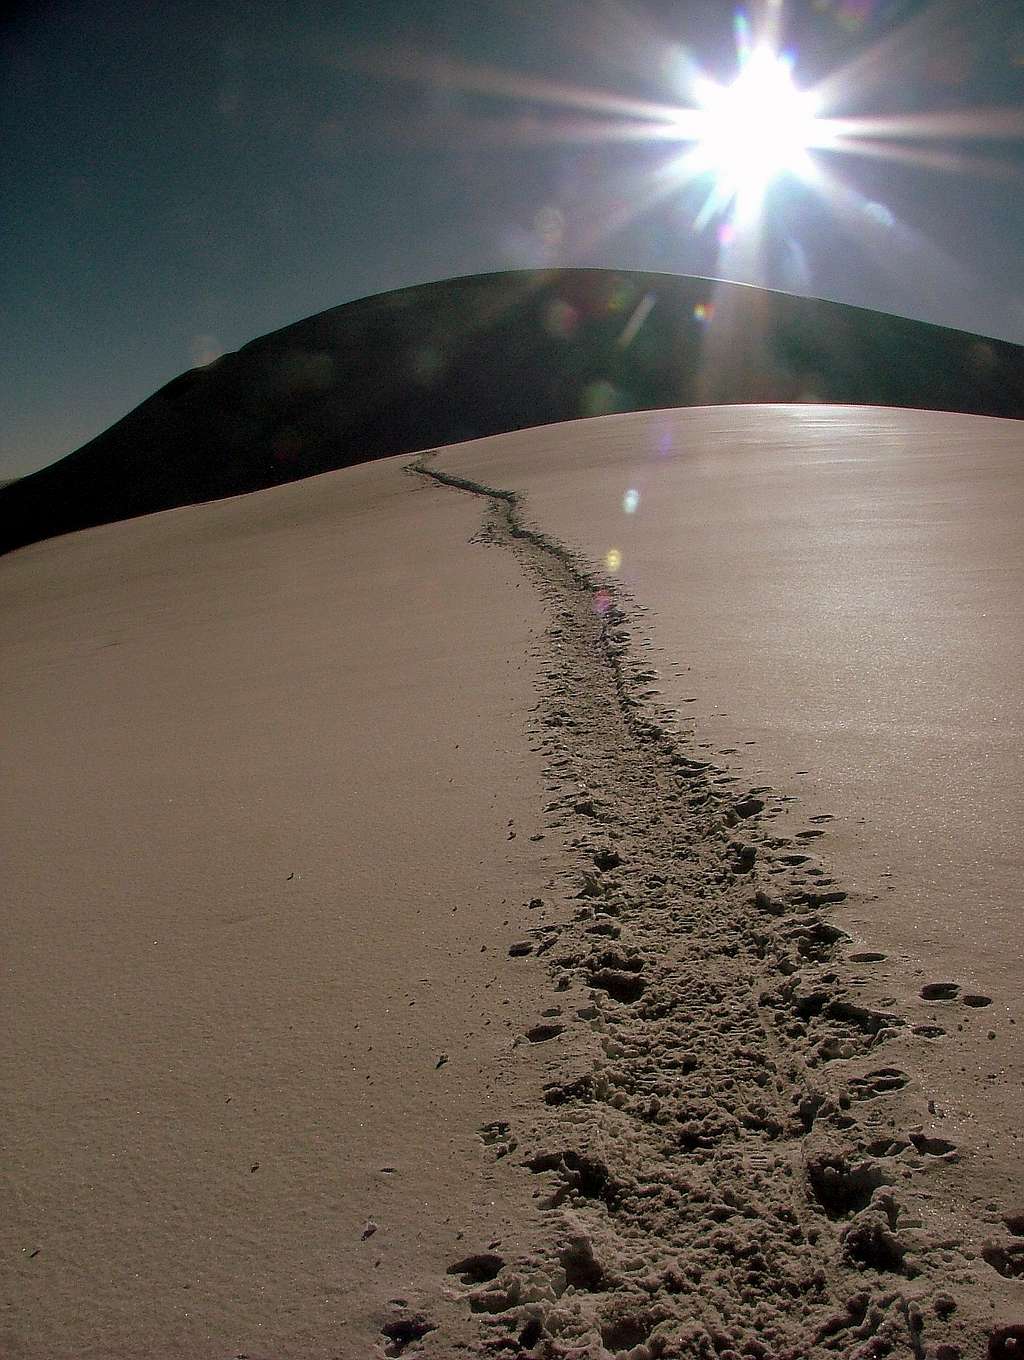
636, 197
415, 66
760, 132
929, 158
871, 71
756, 128
529, 129
896, 248
961, 125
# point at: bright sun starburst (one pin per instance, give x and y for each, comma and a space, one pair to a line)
736, 143
758, 127
751, 132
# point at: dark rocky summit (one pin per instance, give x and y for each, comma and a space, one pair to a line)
444, 362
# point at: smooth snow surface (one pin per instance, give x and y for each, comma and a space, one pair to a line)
395, 964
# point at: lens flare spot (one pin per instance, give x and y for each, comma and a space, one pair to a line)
879, 214
982, 357
631, 500
613, 560
304, 371
620, 296
703, 312
679, 67
600, 398
641, 312
205, 349
560, 319
288, 446
852, 15
726, 234
549, 224
427, 364
602, 602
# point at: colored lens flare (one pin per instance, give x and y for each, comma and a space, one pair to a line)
549, 224
631, 500
205, 349
427, 364
561, 319
640, 314
600, 398
602, 602
613, 560
879, 213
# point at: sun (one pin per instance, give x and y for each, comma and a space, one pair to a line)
756, 129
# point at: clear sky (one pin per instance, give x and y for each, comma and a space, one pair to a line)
179, 178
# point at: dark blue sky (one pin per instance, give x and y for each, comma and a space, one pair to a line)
180, 178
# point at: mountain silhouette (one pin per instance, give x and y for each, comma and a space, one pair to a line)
445, 362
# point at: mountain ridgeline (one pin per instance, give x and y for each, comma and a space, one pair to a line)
450, 361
